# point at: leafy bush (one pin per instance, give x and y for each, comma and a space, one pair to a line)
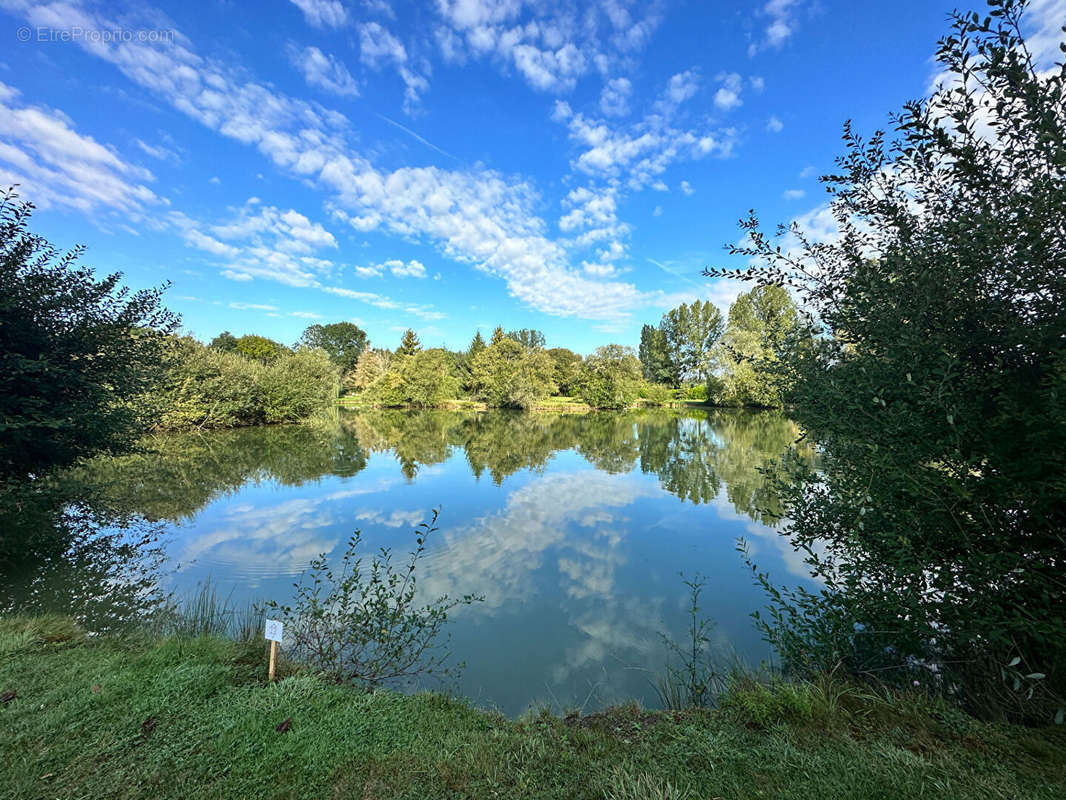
205, 387
75, 353
657, 394
609, 377
937, 397
510, 375
362, 623
426, 378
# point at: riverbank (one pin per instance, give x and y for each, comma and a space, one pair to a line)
140, 717
559, 405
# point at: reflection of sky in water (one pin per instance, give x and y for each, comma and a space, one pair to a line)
579, 567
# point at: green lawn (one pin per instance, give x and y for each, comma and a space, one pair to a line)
186, 718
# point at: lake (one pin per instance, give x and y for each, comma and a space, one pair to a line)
576, 529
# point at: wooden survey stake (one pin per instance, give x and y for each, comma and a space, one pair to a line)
273, 633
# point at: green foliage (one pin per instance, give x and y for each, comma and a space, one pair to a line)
567, 366
224, 341
75, 352
361, 622
424, 379
657, 394
477, 344
654, 358
609, 378
259, 348
763, 341
512, 376
528, 337
690, 333
215, 735
409, 344
765, 705
939, 396
203, 387
693, 679
343, 341
429, 378
370, 366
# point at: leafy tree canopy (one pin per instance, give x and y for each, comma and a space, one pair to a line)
75, 351
938, 396
343, 341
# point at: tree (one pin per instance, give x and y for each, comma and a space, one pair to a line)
764, 331
477, 344
938, 394
259, 348
691, 332
74, 353
409, 344
225, 341
343, 341
372, 364
528, 337
498, 335
429, 378
610, 377
654, 358
512, 376
567, 364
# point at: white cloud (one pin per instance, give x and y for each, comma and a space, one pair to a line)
614, 99
54, 165
550, 47
757, 83
774, 125
640, 152
324, 71
412, 269
808, 172
157, 151
794, 194
657, 212
780, 25
379, 48
305, 315
473, 216
323, 13
252, 307
728, 95
686, 187
681, 87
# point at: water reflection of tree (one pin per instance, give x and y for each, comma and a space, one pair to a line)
178, 474
693, 453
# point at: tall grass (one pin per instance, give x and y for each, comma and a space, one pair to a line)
205, 612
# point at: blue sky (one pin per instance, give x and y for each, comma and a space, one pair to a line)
441, 165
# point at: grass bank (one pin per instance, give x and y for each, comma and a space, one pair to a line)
194, 717
557, 405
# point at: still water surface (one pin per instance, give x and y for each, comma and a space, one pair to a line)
575, 529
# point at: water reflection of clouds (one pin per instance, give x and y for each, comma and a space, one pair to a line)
258, 541
792, 560
497, 554
394, 519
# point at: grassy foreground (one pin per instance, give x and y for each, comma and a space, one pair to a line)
137, 717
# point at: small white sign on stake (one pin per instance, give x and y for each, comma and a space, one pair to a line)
273, 630
273, 634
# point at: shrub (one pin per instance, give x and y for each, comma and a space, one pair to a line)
510, 375
657, 394
361, 623
610, 377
